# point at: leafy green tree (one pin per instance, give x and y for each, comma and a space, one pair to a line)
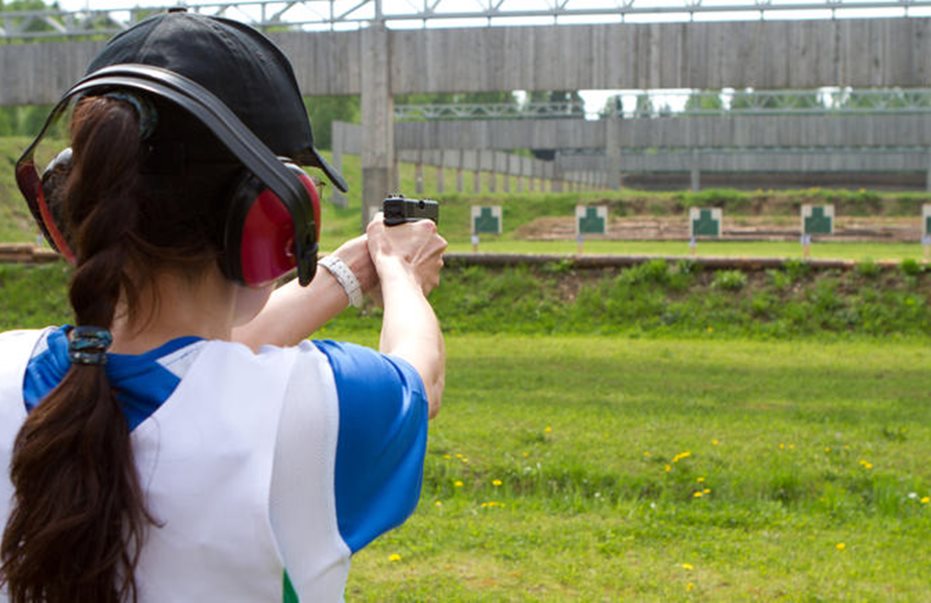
614, 105
6, 121
703, 101
644, 106
324, 110
31, 25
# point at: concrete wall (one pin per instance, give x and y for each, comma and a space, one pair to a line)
761, 54
828, 160
674, 132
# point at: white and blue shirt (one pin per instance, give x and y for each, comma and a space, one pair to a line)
265, 471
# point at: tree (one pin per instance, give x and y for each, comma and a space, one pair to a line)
614, 106
700, 101
575, 104
644, 106
31, 25
324, 110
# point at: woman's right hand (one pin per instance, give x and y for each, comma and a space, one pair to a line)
414, 247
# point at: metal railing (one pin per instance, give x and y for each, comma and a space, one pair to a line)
685, 103
354, 14
457, 111
774, 102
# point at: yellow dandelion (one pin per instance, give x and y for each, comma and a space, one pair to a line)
547, 429
447, 457
925, 500
394, 557
827, 449
866, 464
681, 455
840, 546
782, 446
438, 503
525, 454
688, 567
459, 455
706, 491
715, 442
667, 468
496, 482
700, 480
647, 454
689, 587
698, 494
710, 329
458, 483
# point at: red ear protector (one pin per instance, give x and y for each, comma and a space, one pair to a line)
259, 235
273, 222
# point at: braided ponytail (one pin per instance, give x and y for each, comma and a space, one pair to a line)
79, 518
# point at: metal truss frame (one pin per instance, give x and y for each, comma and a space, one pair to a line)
354, 14
640, 152
459, 111
658, 104
777, 102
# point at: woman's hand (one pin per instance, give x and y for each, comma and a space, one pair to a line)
414, 247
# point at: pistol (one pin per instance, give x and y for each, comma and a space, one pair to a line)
398, 209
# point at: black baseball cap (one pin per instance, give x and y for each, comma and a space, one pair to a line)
235, 62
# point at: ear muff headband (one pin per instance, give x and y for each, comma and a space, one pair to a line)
221, 121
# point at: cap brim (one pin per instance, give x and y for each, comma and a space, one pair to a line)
316, 160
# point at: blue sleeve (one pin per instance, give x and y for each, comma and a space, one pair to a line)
382, 441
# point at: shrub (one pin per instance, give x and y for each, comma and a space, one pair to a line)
912, 267
654, 271
729, 280
868, 269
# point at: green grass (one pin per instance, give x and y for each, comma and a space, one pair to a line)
762, 249
814, 438
803, 446
16, 223
653, 299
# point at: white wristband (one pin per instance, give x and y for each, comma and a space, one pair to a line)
345, 277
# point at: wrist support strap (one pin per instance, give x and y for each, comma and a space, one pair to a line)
345, 277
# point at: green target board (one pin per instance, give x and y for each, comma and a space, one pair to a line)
486, 220
705, 222
817, 219
591, 220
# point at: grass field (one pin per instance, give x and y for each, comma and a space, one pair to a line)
761, 249
713, 442
614, 469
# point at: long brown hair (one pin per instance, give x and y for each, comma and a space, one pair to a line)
79, 517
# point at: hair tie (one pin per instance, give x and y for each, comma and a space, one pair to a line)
89, 345
145, 110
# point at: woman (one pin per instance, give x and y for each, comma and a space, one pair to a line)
163, 449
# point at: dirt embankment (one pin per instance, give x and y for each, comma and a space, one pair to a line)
738, 228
